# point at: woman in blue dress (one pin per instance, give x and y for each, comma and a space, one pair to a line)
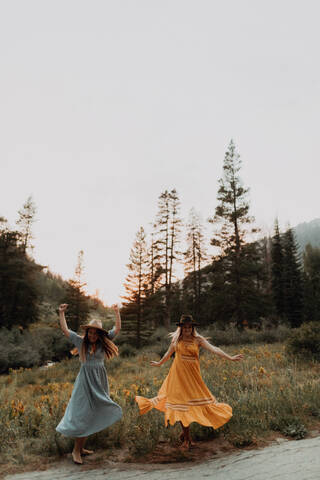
90, 408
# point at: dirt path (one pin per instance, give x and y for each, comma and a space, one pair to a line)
289, 460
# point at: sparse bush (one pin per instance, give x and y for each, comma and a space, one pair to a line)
305, 340
127, 350
232, 336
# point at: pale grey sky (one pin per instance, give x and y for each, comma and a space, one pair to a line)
105, 104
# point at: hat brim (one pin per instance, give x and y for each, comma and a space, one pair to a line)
85, 327
188, 323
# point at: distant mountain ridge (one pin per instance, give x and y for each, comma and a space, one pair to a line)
308, 232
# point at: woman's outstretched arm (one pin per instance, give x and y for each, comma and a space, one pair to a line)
63, 323
165, 357
217, 351
117, 328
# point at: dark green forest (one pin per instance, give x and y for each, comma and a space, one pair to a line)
249, 282
29, 297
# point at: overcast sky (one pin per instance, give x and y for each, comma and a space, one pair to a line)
105, 104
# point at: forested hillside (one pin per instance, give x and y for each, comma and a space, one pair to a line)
29, 297
308, 232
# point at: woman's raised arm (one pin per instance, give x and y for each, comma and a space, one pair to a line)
63, 324
216, 350
118, 319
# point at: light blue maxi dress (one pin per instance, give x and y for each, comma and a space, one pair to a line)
90, 409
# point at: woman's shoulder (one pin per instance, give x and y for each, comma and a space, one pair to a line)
199, 339
74, 336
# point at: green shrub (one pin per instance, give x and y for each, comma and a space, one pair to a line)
28, 348
305, 340
232, 336
127, 350
289, 426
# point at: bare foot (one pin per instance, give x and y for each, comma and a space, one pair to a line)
185, 445
76, 457
84, 451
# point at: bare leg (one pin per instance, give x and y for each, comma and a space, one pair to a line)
84, 451
188, 437
185, 436
76, 453
182, 433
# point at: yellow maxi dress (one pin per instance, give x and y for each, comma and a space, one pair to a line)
183, 396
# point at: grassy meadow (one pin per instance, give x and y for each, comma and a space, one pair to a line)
269, 392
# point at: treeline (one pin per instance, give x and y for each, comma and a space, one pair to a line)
29, 296
245, 281
248, 281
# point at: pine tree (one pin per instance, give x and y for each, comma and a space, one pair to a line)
78, 306
168, 226
153, 304
136, 290
232, 223
194, 258
154, 266
267, 255
277, 271
25, 222
18, 293
293, 282
175, 231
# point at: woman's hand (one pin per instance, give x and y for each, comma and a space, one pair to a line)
63, 323
237, 358
116, 310
155, 364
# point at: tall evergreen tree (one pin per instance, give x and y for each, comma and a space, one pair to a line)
266, 247
277, 271
78, 309
136, 289
175, 231
18, 293
293, 282
154, 266
232, 223
25, 222
194, 258
153, 305
168, 225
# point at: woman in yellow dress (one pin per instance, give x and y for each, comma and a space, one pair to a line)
183, 396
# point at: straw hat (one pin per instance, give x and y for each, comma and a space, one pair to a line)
187, 320
95, 323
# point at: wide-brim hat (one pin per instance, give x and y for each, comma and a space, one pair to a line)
95, 323
187, 319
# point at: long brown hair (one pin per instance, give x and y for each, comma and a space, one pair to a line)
110, 349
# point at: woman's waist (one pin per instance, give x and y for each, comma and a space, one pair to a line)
91, 362
187, 356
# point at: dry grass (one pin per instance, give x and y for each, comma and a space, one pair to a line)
268, 392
